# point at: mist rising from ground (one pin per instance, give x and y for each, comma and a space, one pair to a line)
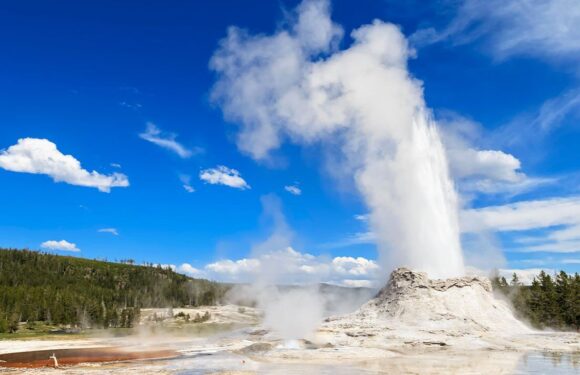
294, 303
362, 103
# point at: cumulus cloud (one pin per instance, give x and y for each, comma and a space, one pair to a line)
222, 175
41, 156
293, 189
61, 245
354, 266
166, 140
477, 169
187, 269
298, 267
234, 269
479, 166
112, 231
494, 165
273, 261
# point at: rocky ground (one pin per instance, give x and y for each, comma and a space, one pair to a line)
413, 314
413, 325
225, 314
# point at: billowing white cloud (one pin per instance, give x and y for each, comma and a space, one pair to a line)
41, 156
112, 231
477, 169
293, 189
493, 164
222, 175
234, 269
166, 140
61, 245
354, 266
259, 75
298, 268
187, 269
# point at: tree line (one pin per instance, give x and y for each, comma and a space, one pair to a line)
64, 290
549, 302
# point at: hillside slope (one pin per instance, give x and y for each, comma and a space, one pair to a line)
67, 290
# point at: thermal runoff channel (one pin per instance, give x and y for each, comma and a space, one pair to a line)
368, 111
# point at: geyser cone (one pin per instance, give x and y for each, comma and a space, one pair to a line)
464, 305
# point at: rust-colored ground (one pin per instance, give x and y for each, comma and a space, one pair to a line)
40, 358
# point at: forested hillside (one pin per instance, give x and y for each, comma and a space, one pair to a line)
552, 302
67, 290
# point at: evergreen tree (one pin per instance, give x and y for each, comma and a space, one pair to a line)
548, 302
73, 291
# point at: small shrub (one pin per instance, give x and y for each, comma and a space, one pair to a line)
202, 318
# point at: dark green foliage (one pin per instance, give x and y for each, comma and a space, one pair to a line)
184, 316
549, 302
89, 293
202, 318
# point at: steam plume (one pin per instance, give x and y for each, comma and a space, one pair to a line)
281, 311
297, 85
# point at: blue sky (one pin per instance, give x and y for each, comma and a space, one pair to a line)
126, 89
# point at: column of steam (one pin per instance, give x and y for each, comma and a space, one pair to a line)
364, 106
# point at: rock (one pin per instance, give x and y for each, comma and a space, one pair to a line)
464, 304
259, 332
256, 348
412, 308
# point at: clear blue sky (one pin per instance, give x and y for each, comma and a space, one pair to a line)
89, 76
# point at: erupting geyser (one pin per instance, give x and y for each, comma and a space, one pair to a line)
367, 110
